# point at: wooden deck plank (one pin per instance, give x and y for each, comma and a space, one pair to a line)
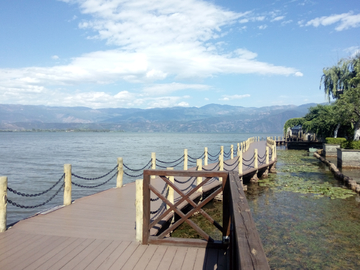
189, 259
135, 258
199, 261
34, 254
146, 257
168, 258
83, 256
112, 255
63, 253
156, 259
11, 249
22, 252
47, 255
178, 260
103, 255
92, 255
122, 259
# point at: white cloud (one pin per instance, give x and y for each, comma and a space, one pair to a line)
262, 27
298, 74
55, 57
227, 97
152, 41
344, 21
278, 18
164, 89
353, 50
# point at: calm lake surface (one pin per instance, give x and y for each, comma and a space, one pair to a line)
34, 161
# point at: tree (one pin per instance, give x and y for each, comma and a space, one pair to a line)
342, 82
321, 120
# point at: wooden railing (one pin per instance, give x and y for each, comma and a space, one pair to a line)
239, 234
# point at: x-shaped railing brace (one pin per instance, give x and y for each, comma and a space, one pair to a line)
184, 217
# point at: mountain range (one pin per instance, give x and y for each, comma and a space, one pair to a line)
212, 118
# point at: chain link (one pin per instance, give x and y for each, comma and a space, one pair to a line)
36, 194
95, 178
101, 184
137, 170
38, 205
169, 162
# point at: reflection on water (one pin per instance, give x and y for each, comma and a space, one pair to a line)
302, 230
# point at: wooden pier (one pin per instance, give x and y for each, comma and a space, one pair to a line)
100, 232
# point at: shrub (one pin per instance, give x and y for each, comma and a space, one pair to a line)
350, 145
330, 140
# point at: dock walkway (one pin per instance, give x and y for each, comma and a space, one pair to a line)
98, 232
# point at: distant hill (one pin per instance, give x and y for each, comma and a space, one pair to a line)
210, 118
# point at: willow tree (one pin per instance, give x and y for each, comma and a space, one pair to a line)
342, 82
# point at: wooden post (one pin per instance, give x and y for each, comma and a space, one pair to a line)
267, 154
3, 202
199, 168
153, 163
238, 149
185, 159
273, 153
221, 165
170, 196
222, 152
120, 175
67, 188
206, 156
256, 165
240, 164
231, 151
139, 210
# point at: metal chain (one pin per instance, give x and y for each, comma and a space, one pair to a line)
212, 168
165, 162
236, 161
203, 154
183, 182
137, 170
133, 175
188, 186
250, 158
162, 192
38, 205
215, 155
36, 194
82, 186
95, 178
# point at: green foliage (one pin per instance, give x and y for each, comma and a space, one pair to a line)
293, 122
321, 120
350, 145
331, 140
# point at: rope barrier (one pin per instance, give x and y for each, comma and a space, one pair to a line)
137, 170
95, 178
38, 205
36, 194
95, 186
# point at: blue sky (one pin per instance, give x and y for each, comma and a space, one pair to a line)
165, 53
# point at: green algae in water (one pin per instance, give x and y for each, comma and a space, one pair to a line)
297, 231
214, 209
298, 172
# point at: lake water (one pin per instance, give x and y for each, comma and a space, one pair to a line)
33, 161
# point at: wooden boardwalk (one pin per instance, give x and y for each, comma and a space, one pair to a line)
98, 232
